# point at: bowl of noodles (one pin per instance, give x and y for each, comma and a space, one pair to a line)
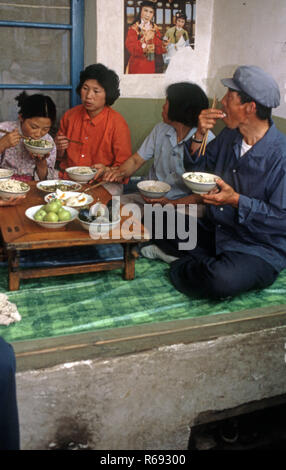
38, 147
199, 182
13, 188
153, 189
82, 174
5, 173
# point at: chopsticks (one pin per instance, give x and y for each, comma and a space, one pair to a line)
74, 141
24, 137
205, 138
95, 186
8, 132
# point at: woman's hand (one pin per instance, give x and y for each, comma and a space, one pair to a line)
12, 201
41, 165
100, 170
62, 143
10, 140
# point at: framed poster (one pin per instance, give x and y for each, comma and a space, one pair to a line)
185, 56
154, 30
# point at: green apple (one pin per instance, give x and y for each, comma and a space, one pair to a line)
40, 214
51, 217
52, 206
64, 215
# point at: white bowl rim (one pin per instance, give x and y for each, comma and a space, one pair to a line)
70, 168
184, 175
168, 186
34, 147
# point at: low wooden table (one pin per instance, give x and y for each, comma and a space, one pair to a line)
19, 233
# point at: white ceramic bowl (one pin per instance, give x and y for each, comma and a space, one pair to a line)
39, 150
83, 198
6, 192
199, 182
55, 225
5, 173
98, 227
50, 186
153, 189
82, 174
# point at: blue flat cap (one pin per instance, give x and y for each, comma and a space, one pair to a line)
256, 83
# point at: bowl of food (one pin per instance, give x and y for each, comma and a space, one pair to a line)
153, 189
70, 198
13, 188
51, 186
97, 220
39, 146
5, 173
51, 215
198, 182
82, 174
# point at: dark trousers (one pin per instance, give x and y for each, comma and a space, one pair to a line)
200, 271
9, 423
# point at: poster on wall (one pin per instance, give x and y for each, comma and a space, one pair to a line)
154, 32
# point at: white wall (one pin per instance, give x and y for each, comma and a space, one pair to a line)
248, 32
186, 65
228, 33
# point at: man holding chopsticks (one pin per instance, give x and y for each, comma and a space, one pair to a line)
241, 239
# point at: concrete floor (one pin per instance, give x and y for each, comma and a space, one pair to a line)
151, 399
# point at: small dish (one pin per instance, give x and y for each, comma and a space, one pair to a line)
70, 198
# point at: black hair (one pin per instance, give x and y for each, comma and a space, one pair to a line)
262, 112
36, 105
148, 3
181, 15
106, 78
186, 101
145, 4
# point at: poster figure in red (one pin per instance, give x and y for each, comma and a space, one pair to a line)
144, 42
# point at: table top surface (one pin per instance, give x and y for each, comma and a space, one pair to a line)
19, 232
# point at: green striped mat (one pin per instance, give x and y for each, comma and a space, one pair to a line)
80, 303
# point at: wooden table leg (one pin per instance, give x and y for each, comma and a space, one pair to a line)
130, 255
13, 270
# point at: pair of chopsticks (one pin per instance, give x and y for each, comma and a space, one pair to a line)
205, 138
24, 137
95, 186
74, 141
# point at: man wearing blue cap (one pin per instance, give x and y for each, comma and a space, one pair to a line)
241, 239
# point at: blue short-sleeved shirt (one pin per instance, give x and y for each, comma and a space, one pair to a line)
258, 225
168, 155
